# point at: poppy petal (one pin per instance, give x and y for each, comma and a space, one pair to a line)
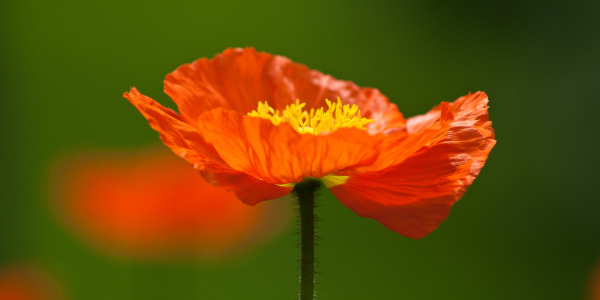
183, 139
238, 79
248, 189
419, 123
414, 196
449, 121
277, 153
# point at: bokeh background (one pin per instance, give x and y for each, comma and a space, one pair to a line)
528, 228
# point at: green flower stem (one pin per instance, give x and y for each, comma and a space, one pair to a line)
305, 191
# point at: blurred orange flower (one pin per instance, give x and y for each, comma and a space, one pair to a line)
23, 282
594, 287
151, 204
258, 124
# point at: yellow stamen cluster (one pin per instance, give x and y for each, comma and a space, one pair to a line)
316, 121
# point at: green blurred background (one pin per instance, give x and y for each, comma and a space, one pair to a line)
528, 228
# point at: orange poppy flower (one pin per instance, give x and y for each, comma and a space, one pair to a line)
24, 282
258, 124
151, 204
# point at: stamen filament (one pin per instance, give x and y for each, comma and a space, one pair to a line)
315, 121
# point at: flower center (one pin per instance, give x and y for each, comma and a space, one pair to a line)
314, 121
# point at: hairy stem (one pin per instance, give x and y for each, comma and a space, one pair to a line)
305, 191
